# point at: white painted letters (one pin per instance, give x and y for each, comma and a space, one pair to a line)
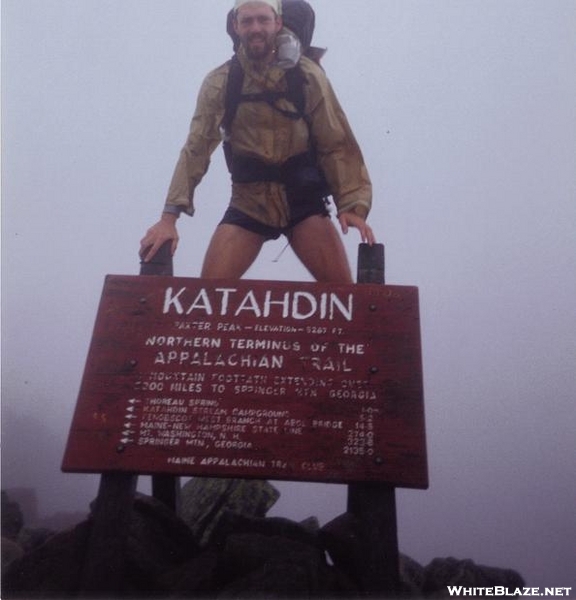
300, 305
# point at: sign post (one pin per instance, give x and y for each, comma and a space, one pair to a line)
104, 561
105, 558
165, 488
256, 379
374, 505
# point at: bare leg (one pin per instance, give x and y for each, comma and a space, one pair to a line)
317, 244
231, 251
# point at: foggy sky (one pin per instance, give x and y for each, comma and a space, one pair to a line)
466, 114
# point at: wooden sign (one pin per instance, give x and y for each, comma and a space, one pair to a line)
253, 379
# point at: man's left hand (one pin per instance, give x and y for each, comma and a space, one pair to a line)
348, 219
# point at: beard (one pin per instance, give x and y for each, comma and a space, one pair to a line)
258, 46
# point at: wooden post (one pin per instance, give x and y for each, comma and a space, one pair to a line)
105, 558
374, 504
371, 264
161, 263
165, 488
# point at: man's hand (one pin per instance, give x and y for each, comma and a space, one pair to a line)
157, 235
348, 219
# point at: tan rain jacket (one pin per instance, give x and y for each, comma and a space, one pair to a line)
260, 131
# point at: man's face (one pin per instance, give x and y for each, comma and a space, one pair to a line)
257, 25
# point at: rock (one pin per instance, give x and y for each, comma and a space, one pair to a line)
247, 552
30, 539
158, 540
12, 519
276, 580
411, 575
52, 570
244, 554
11, 551
254, 565
197, 576
442, 572
310, 524
343, 542
232, 523
275, 557
205, 500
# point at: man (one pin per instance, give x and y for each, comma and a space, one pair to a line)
265, 141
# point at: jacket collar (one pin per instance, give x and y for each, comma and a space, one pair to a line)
266, 78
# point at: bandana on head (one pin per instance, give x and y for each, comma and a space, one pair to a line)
275, 5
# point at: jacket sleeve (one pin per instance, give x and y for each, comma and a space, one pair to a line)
338, 152
203, 138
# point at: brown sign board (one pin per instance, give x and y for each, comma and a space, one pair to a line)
253, 379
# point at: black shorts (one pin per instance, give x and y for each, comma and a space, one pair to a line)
299, 212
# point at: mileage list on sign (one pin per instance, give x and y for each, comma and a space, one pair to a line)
275, 380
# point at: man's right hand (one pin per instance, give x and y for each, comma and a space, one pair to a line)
158, 235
